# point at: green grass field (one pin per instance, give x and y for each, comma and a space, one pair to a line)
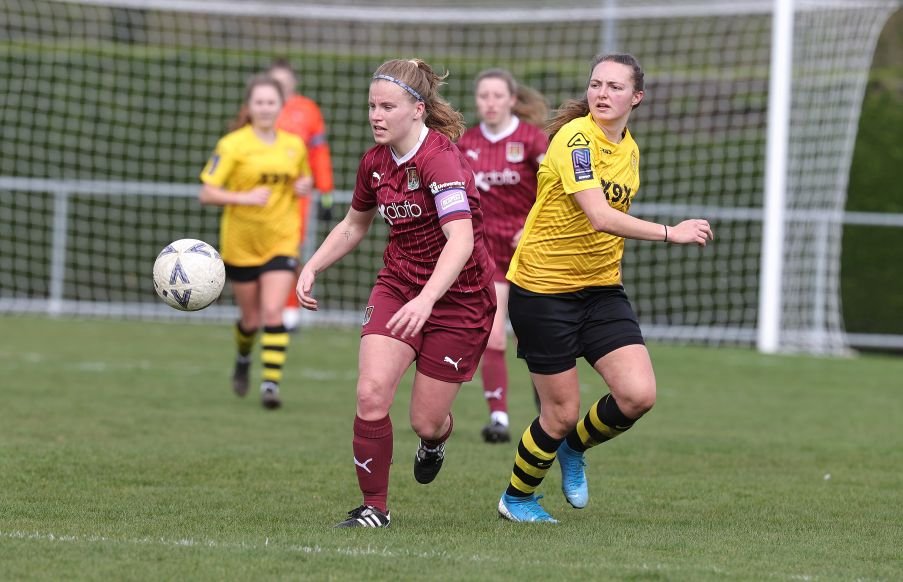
124, 455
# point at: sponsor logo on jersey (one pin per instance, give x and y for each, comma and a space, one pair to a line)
473, 154
436, 188
274, 179
413, 178
399, 210
506, 177
377, 176
583, 166
514, 152
616, 194
578, 140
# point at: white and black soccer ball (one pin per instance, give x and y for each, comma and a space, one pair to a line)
189, 274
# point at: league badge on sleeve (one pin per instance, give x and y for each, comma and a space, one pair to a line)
213, 163
583, 164
413, 178
514, 152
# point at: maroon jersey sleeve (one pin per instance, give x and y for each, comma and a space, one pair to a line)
447, 179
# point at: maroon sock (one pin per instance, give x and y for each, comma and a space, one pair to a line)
495, 380
443, 438
372, 446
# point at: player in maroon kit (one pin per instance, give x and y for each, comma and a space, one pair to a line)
504, 150
432, 302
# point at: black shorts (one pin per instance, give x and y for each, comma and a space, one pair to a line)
248, 274
553, 330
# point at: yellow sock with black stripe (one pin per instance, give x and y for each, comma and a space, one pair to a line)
244, 340
535, 455
603, 422
274, 344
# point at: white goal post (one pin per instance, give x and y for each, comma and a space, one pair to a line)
111, 107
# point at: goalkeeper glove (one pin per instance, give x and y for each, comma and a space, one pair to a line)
324, 207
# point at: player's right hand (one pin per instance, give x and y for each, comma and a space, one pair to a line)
256, 197
304, 288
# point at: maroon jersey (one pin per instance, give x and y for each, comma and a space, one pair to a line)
416, 195
505, 166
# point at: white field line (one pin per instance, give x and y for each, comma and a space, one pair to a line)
14, 361
368, 550
359, 551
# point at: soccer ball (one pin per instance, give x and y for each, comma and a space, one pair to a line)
189, 274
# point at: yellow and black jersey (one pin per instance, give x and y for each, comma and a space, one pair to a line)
559, 251
252, 235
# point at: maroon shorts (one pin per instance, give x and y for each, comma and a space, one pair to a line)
451, 342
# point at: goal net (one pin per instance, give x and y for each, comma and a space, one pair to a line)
111, 108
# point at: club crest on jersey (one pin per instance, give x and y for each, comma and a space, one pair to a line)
578, 141
514, 152
413, 178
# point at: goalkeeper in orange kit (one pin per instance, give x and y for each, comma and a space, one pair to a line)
301, 116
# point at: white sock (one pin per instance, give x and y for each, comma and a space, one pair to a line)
499, 417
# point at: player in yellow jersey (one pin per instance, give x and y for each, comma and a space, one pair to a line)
257, 174
301, 116
567, 300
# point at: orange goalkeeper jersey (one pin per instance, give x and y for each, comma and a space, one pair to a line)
301, 116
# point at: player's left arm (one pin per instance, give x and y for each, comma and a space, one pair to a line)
458, 248
604, 218
341, 240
